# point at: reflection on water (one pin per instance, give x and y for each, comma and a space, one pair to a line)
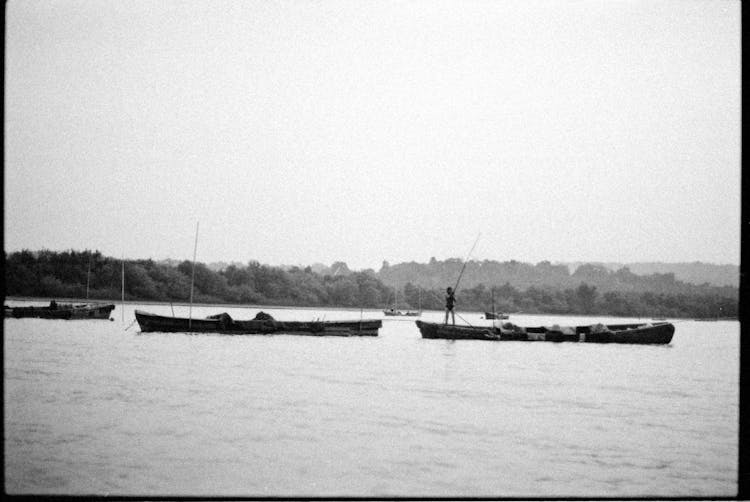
94, 408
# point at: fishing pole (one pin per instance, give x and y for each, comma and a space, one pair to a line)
465, 262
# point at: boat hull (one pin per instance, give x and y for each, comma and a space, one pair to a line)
644, 333
226, 325
62, 311
495, 315
399, 313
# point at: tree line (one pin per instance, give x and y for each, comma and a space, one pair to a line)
543, 275
71, 274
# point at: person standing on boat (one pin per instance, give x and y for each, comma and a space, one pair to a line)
450, 301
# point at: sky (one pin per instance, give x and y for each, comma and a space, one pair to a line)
301, 132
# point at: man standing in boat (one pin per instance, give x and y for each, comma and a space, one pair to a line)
450, 301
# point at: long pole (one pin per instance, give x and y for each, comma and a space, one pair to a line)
88, 278
123, 289
192, 280
465, 262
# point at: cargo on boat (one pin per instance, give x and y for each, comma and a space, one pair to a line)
62, 311
262, 324
637, 333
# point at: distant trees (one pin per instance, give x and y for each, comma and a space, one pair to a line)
543, 275
541, 288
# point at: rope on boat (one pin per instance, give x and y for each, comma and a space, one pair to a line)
131, 324
464, 320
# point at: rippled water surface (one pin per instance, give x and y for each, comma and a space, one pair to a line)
94, 408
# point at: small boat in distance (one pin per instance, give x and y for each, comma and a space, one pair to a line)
492, 314
641, 333
62, 311
393, 311
495, 315
262, 324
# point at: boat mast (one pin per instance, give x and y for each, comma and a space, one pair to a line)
88, 277
123, 289
192, 280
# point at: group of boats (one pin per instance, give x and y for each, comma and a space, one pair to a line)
265, 324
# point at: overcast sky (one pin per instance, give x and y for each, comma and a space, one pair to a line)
299, 131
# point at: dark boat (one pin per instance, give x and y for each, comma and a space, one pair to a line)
62, 311
495, 315
641, 333
492, 314
393, 311
263, 324
408, 313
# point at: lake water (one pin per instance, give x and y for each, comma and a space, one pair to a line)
95, 407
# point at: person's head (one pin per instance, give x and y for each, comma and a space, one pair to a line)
449, 290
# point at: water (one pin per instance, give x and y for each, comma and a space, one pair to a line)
93, 408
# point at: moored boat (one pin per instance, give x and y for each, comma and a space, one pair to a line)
263, 324
394, 312
495, 315
636, 333
62, 311
492, 314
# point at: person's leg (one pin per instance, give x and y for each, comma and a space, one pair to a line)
446, 317
453, 316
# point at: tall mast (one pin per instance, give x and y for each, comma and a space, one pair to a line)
123, 289
192, 280
88, 277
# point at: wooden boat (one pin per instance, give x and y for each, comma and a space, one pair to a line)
395, 312
263, 324
492, 314
640, 333
495, 315
62, 311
